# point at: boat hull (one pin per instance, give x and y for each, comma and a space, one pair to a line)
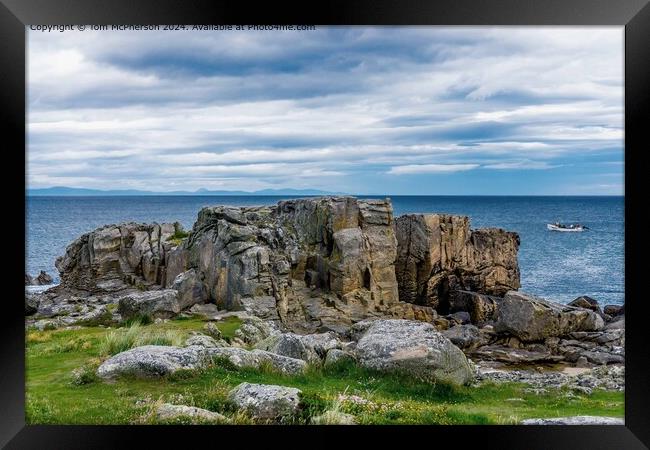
561, 229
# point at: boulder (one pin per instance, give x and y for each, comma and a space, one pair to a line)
169, 412
207, 311
459, 317
322, 343
575, 420
534, 319
191, 290
438, 254
336, 356
253, 330
43, 278
603, 357
291, 345
614, 310
415, 348
160, 360
263, 401
464, 336
212, 330
152, 361
205, 341
161, 304
256, 358
482, 308
586, 302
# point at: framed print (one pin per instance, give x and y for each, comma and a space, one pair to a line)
371, 220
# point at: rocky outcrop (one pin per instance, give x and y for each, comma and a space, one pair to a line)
309, 265
191, 290
42, 279
439, 254
114, 257
534, 319
264, 401
611, 378
272, 260
253, 330
31, 304
415, 348
161, 304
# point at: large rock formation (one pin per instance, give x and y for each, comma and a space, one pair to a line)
439, 254
113, 257
310, 264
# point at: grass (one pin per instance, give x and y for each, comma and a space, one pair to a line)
62, 387
178, 236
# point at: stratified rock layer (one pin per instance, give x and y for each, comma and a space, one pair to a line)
439, 254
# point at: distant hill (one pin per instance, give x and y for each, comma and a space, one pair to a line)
80, 192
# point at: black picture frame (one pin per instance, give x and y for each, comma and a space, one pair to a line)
633, 14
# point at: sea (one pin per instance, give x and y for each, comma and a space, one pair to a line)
554, 265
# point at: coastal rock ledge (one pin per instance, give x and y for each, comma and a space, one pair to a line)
317, 264
319, 271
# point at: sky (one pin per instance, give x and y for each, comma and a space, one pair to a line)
362, 110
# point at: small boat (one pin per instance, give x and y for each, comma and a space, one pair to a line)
561, 227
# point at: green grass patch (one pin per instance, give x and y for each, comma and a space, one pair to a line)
62, 387
178, 236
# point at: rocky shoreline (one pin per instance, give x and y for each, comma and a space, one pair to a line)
321, 279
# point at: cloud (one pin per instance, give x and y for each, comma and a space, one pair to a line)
430, 168
333, 108
526, 165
